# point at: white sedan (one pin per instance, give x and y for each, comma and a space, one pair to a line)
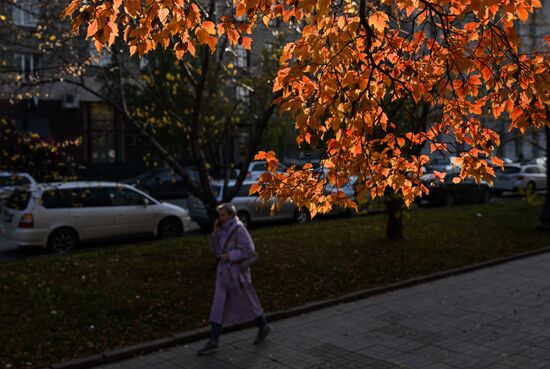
515, 178
60, 215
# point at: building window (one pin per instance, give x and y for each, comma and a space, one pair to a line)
40, 126
102, 135
243, 94
100, 60
28, 65
25, 13
241, 57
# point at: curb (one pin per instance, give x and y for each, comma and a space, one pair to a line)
203, 333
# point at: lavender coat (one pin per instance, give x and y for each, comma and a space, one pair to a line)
235, 298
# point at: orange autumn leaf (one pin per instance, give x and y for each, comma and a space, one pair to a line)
255, 188
378, 21
212, 41
241, 9
246, 42
71, 8
356, 82
209, 27
92, 29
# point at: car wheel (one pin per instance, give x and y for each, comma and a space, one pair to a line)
244, 218
531, 188
301, 216
450, 199
62, 240
497, 193
170, 228
485, 196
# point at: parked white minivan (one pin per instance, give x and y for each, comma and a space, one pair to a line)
10, 181
60, 215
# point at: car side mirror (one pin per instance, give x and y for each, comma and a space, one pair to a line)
146, 202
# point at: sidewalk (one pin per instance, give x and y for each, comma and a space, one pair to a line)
494, 318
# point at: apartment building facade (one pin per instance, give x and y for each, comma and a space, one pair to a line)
37, 54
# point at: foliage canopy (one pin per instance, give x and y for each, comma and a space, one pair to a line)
350, 64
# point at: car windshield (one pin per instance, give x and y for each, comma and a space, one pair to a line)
13, 180
243, 191
18, 200
509, 169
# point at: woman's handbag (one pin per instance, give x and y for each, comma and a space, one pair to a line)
245, 263
248, 262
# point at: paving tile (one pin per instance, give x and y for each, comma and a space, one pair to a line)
494, 318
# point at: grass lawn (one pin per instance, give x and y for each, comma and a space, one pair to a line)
63, 307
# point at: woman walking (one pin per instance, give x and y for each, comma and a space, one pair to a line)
235, 299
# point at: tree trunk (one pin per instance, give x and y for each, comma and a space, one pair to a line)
394, 209
545, 214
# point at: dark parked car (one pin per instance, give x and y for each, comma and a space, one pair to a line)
161, 183
449, 193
